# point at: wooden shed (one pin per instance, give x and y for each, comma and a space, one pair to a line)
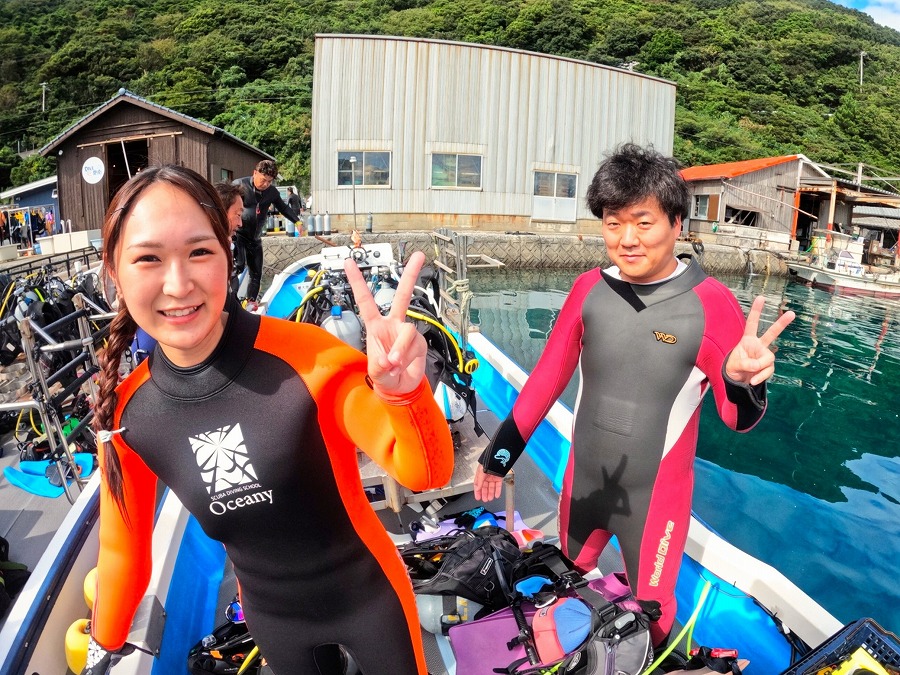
777, 202
102, 150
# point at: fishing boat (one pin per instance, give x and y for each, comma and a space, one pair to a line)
741, 602
836, 265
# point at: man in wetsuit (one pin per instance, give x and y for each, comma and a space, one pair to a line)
259, 193
232, 195
649, 335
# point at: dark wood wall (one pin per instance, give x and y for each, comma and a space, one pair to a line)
227, 155
169, 141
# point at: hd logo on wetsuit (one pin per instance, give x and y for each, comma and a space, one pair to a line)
665, 337
222, 458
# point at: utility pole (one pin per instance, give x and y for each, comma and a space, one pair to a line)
44, 86
862, 55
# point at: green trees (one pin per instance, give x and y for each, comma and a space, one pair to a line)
754, 77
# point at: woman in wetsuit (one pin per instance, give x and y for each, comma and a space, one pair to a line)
254, 423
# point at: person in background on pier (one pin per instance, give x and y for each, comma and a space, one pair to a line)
294, 200
259, 194
232, 196
258, 439
650, 335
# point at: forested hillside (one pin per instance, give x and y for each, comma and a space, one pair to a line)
755, 77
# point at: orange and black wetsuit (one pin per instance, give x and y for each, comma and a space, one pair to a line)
259, 443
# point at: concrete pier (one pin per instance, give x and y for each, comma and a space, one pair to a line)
525, 251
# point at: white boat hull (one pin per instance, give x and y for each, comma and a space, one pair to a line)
878, 286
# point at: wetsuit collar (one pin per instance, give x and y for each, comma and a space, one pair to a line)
219, 369
641, 296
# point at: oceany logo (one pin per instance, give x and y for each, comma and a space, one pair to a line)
225, 466
665, 337
502, 456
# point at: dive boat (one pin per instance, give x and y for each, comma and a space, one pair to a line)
836, 266
746, 604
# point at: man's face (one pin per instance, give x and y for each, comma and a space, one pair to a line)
261, 181
234, 215
640, 241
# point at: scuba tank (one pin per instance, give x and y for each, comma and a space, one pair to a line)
344, 325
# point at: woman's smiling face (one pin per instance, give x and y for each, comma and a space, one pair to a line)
172, 272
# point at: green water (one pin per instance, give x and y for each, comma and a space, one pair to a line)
814, 488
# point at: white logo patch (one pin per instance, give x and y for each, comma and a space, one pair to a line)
222, 458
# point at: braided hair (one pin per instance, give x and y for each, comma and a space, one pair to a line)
123, 326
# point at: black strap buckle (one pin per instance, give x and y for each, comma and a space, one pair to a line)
573, 579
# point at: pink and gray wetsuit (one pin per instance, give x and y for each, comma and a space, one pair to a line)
646, 354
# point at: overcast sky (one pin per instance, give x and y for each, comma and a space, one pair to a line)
885, 12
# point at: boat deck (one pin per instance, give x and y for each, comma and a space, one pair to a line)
27, 520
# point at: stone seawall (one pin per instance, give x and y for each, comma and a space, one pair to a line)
525, 251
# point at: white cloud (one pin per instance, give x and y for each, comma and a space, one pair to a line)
884, 12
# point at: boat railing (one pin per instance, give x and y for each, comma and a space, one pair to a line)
453, 261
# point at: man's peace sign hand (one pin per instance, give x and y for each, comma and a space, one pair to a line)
395, 348
751, 361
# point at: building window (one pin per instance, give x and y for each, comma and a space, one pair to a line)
368, 169
226, 175
455, 171
54, 194
548, 184
701, 207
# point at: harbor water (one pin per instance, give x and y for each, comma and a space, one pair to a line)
814, 488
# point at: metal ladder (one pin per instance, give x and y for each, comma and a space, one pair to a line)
81, 368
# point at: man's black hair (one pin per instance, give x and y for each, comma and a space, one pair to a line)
267, 168
631, 174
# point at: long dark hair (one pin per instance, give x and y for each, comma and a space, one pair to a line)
123, 327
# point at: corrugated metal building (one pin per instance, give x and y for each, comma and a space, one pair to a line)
427, 133
99, 152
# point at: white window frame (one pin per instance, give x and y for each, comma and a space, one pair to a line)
360, 171
553, 206
700, 207
457, 186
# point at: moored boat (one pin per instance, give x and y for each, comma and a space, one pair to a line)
836, 266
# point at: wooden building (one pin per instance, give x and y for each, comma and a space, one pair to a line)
756, 203
775, 202
102, 150
429, 133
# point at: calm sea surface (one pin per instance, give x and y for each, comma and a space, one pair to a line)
814, 488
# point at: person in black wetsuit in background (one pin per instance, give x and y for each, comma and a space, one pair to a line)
294, 200
259, 193
232, 195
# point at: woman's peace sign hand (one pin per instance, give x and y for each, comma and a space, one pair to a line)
751, 361
395, 348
